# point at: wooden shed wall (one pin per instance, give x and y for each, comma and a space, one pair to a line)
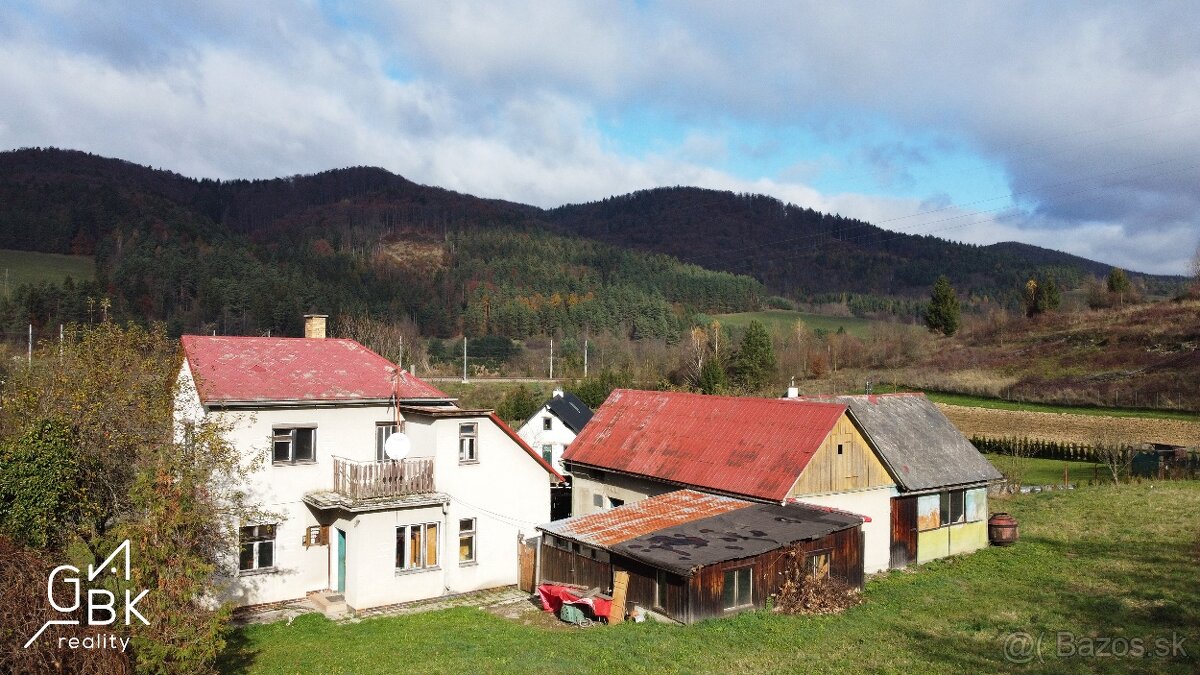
769, 570
642, 579
857, 468
566, 567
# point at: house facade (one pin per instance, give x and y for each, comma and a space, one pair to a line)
441, 513
690, 556
641, 444
555, 425
941, 504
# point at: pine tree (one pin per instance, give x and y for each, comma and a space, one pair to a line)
943, 311
754, 363
712, 377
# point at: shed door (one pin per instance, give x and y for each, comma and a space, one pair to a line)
904, 531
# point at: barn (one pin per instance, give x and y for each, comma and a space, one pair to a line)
693, 556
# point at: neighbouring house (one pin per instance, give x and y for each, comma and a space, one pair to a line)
692, 556
555, 425
439, 509
941, 507
644, 443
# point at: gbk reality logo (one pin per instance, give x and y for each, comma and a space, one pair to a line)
101, 608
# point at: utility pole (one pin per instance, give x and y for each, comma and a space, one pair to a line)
585, 348
29, 356
464, 358
552, 358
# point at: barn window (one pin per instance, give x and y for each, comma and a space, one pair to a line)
839, 448
953, 507
817, 563
738, 590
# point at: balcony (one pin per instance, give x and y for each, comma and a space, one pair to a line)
369, 486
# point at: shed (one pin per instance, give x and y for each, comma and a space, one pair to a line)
694, 556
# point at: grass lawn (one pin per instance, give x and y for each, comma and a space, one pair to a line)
26, 267
785, 319
1001, 404
1038, 471
1100, 562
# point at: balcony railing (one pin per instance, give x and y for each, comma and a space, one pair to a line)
368, 480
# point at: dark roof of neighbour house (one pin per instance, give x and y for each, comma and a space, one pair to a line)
921, 446
573, 412
752, 447
260, 369
685, 530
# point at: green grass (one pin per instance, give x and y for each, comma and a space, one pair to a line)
1037, 471
26, 267
1098, 562
1001, 404
785, 319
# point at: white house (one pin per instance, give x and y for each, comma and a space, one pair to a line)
347, 519
552, 428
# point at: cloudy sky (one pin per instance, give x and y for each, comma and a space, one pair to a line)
1074, 126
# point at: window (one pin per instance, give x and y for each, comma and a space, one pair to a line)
466, 540
817, 563
839, 448
613, 502
738, 589
383, 430
547, 423
417, 546
257, 548
548, 453
953, 507
294, 445
598, 500
468, 435
660, 589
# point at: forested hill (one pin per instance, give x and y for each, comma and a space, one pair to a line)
801, 252
246, 257
250, 256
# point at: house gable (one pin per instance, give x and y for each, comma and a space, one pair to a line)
855, 467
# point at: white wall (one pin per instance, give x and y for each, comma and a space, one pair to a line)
586, 487
876, 504
558, 435
507, 492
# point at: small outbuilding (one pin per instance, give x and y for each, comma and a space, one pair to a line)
693, 556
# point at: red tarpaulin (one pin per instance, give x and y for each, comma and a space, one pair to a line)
554, 597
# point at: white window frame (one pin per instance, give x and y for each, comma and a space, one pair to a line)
465, 534
258, 538
404, 536
548, 452
468, 443
287, 434
383, 430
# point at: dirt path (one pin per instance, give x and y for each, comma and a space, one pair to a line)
1068, 428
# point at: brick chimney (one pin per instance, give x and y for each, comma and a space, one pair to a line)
314, 326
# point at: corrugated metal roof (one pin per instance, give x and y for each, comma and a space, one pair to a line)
743, 446
921, 446
228, 369
643, 517
685, 530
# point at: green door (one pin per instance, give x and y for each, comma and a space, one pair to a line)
341, 586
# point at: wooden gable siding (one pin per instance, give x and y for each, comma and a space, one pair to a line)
857, 468
769, 571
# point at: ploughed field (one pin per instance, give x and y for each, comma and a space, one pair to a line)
1068, 428
1102, 580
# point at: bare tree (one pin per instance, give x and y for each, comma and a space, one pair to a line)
697, 347
1115, 457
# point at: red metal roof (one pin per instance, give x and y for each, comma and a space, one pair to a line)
228, 369
644, 517
743, 446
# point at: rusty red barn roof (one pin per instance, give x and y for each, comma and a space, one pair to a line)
260, 369
742, 446
684, 530
649, 515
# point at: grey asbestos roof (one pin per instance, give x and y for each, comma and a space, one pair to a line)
921, 446
573, 412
